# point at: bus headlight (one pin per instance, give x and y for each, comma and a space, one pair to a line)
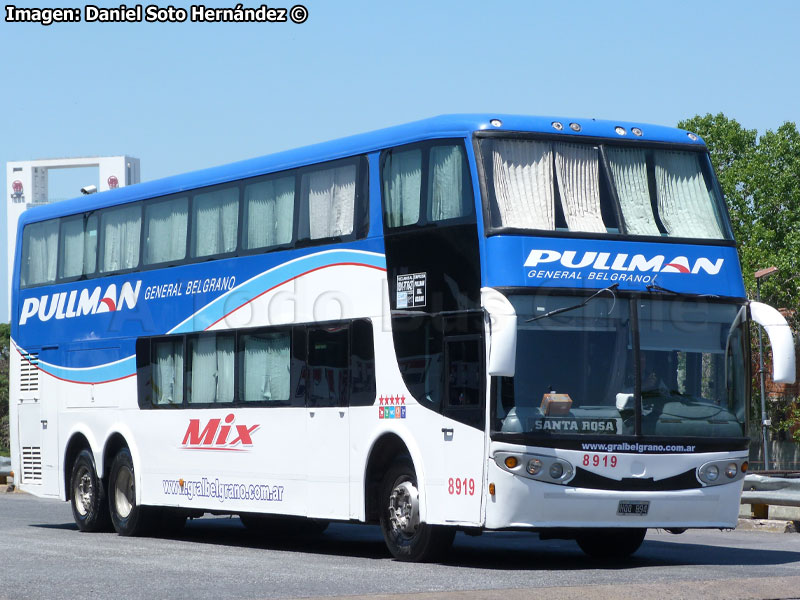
711, 472
534, 466
549, 469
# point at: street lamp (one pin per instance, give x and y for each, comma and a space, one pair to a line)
765, 422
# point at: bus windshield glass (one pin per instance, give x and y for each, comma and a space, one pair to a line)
544, 185
575, 371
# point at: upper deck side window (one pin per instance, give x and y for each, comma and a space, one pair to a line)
596, 188
426, 183
39, 253
312, 205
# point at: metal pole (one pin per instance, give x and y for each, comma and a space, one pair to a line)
764, 421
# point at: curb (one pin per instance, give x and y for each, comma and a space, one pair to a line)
768, 525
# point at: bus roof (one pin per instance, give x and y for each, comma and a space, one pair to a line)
436, 127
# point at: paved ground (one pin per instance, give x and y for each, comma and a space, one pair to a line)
43, 556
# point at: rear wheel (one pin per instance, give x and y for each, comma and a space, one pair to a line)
128, 518
610, 543
87, 495
406, 537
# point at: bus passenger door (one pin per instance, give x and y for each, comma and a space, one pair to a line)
327, 431
463, 442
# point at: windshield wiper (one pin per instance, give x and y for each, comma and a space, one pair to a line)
654, 287
610, 289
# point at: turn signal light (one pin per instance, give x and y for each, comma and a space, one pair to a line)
745, 466
511, 462
491, 489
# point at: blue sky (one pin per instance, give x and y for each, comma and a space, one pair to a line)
186, 96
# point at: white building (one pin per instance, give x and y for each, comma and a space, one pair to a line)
28, 186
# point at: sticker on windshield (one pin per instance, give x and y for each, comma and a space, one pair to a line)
411, 290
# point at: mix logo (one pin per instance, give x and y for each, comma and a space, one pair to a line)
66, 305
603, 261
216, 435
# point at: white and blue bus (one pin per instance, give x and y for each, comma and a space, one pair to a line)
470, 322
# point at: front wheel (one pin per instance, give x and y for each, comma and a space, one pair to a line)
407, 538
128, 518
611, 543
87, 496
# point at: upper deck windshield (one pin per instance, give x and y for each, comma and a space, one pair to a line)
601, 188
576, 374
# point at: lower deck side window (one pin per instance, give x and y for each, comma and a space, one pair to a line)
327, 364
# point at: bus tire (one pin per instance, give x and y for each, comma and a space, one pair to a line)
87, 495
407, 538
611, 543
128, 518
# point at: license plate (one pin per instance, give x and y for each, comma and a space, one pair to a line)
633, 508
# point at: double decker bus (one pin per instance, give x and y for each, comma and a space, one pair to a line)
471, 322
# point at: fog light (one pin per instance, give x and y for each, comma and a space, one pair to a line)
534, 466
557, 126
556, 470
620, 130
712, 473
575, 126
496, 123
637, 131
511, 462
731, 470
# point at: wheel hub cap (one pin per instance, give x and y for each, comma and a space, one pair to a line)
84, 491
404, 508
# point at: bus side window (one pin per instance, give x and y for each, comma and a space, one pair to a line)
328, 366
362, 364
39, 253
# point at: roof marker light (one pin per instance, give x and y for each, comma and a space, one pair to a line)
557, 126
496, 123
575, 126
637, 131
692, 137
620, 130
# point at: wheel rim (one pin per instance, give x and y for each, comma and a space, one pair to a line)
83, 492
124, 496
404, 509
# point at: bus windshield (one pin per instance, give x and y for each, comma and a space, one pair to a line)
575, 371
544, 185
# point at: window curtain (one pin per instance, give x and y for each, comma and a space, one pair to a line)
166, 225
168, 373
629, 169
684, 203
72, 248
216, 222
578, 183
270, 212
42, 252
331, 201
212, 369
402, 174
266, 368
523, 184
121, 229
447, 183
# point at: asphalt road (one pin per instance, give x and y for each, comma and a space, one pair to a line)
44, 556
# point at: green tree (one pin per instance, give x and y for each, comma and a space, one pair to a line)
760, 177
5, 332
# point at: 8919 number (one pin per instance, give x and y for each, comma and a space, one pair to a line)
461, 487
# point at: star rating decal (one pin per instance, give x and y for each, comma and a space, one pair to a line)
392, 407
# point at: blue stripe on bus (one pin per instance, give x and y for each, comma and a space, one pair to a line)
217, 309
251, 289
